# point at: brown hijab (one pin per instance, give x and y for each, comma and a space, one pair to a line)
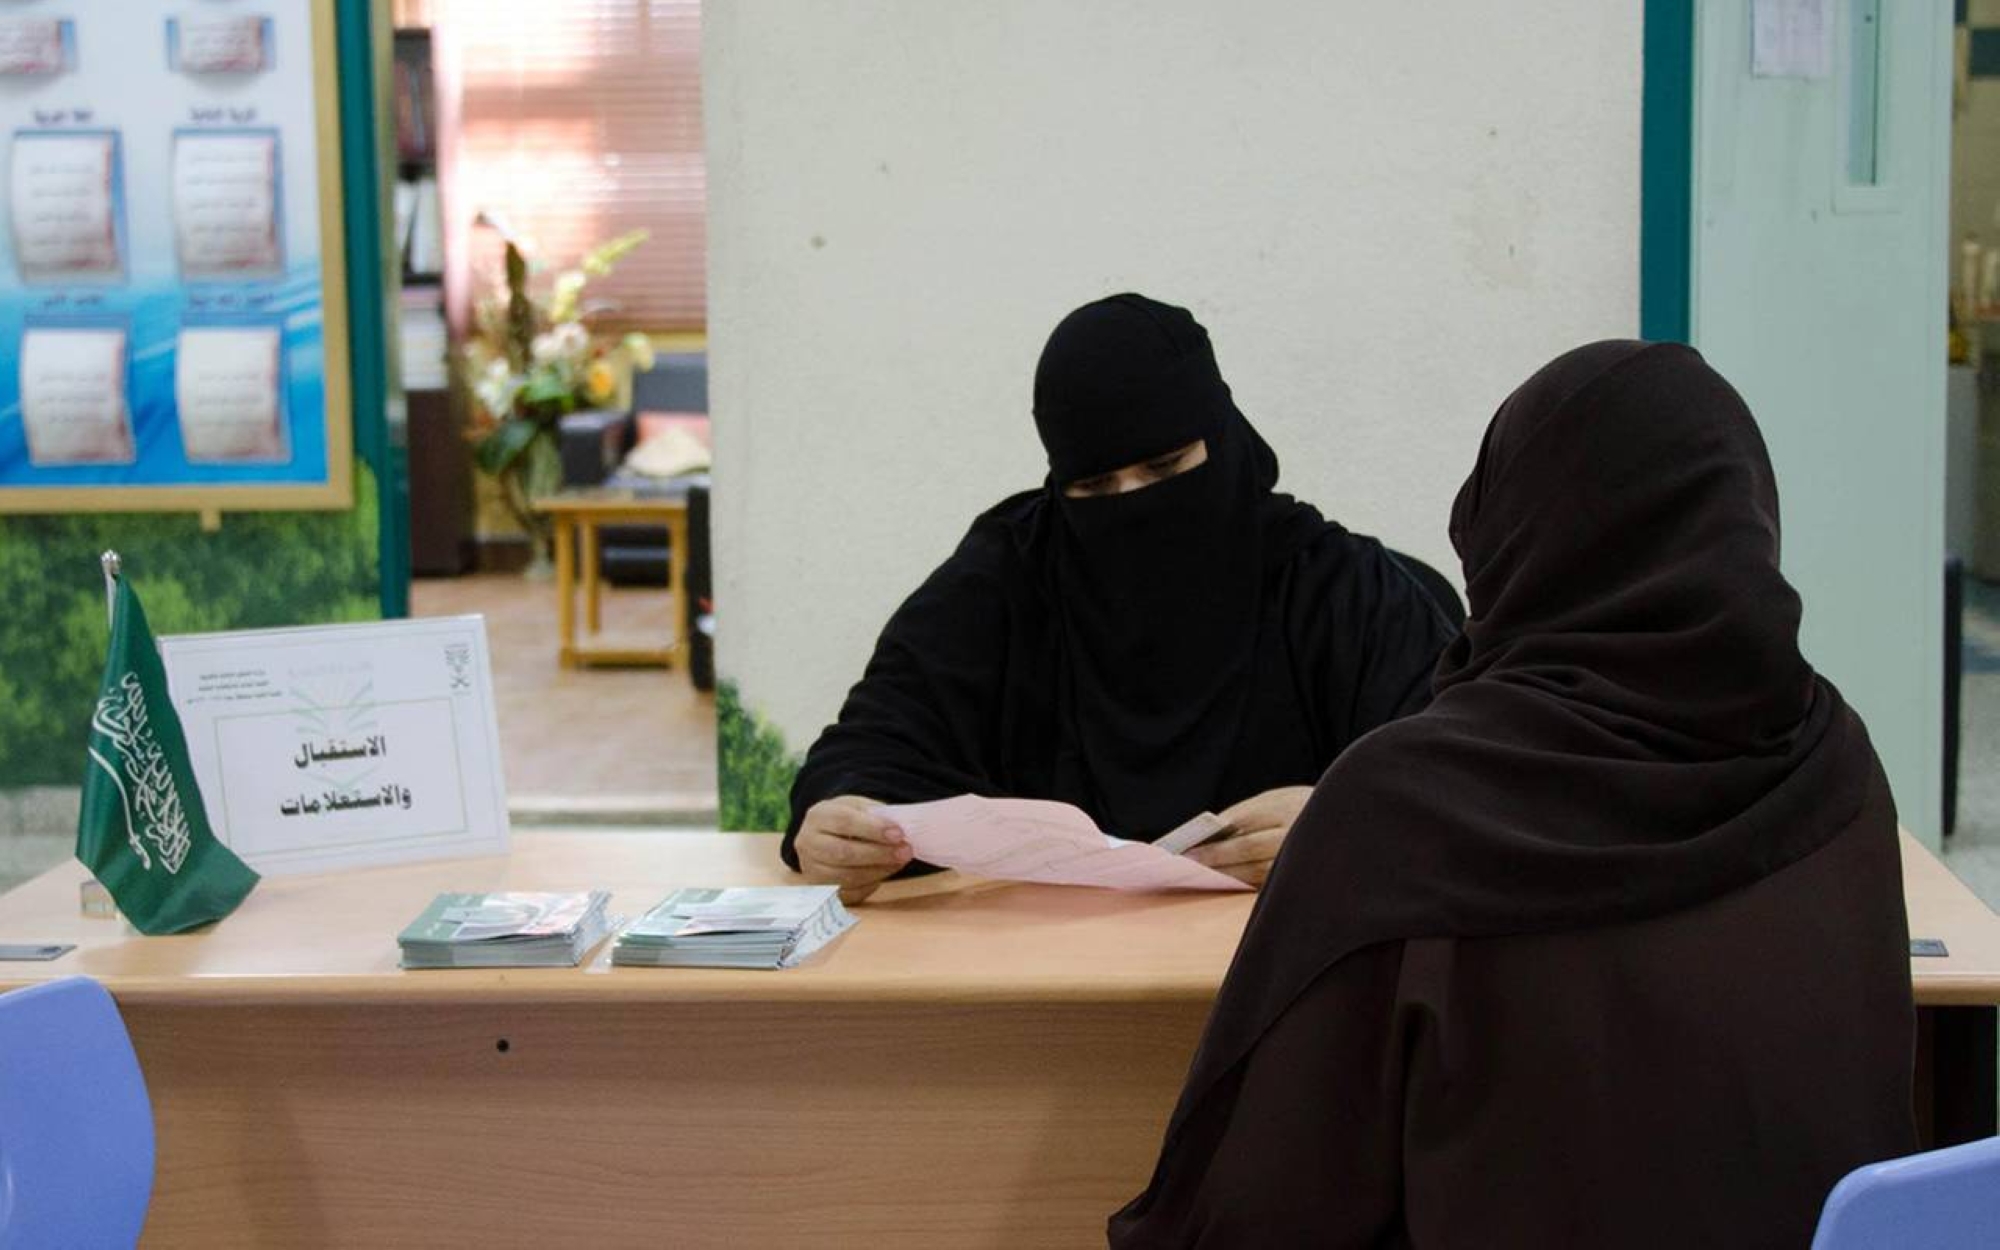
1626, 727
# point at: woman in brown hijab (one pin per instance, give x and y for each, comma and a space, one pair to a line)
1606, 948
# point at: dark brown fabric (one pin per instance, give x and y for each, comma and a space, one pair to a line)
1626, 728
1695, 1080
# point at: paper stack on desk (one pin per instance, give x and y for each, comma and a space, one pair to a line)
1037, 840
765, 927
514, 930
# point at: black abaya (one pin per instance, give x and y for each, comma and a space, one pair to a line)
1146, 655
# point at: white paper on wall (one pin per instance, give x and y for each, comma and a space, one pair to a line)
73, 396
31, 46
221, 44
226, 204
63, 206
1791, 38
226, 391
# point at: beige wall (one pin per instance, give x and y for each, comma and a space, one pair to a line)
1386, 214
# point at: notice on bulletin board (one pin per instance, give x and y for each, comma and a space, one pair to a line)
172, 290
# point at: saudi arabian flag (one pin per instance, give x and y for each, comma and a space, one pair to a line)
143, 831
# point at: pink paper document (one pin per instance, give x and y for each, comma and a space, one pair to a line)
1036, 840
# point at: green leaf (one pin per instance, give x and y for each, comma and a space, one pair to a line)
497, 452
755, 769
541, 470
520, 309
547, 388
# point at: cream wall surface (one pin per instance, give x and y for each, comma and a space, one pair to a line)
1386, 214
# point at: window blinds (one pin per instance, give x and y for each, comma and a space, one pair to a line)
576, 122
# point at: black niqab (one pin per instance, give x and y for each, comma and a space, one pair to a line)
1157, 590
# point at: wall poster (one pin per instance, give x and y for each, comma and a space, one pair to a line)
173, 306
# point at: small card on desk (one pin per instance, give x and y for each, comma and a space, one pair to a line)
34, 952
1203, 828
1931, 947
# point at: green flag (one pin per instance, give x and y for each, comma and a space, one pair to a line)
143, 831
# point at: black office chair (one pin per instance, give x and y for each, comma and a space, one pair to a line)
1436, 585
593, 444
698, 622
677, 382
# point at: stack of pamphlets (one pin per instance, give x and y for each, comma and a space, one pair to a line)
506, 930
768, 927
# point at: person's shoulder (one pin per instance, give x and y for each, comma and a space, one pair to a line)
1019, 511
1001, 539
1332, 550
1356, 568
1328, 548
995, 550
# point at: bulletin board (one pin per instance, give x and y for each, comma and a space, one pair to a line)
173, 298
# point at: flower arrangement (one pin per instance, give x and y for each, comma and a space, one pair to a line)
531, 360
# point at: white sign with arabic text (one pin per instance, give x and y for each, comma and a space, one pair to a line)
343, 746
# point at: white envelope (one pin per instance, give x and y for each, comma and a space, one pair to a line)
73, 396
226, 393
226, 204
64, 214
221, 44
31, 46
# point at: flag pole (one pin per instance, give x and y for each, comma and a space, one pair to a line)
110, 562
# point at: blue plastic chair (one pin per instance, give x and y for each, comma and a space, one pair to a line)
76, 1129
1941, 1200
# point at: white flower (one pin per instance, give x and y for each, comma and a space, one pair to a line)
567, 343
640, 349
496, 391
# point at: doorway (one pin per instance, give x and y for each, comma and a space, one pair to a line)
1972, 447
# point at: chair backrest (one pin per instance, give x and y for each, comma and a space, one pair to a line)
1942, 1200
1439, 587
677, 382
76, 1129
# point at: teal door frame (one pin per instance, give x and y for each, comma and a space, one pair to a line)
360, 53
1666, 171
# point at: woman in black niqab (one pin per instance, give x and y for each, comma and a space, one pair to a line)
1145, 654
1156, 592
1673, 836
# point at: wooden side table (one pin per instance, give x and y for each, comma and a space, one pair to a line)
577, 516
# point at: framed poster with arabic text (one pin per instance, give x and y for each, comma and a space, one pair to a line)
173, 303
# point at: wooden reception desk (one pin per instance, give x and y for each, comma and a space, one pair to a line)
973, 1065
